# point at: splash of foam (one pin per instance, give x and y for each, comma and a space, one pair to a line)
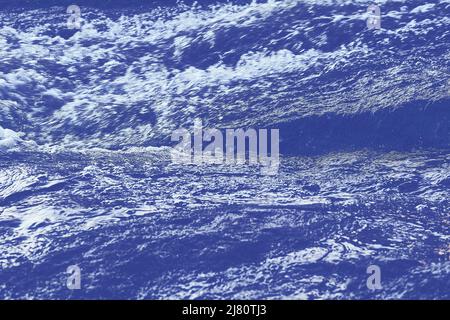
8, 138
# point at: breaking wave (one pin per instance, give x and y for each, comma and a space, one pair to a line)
131, 79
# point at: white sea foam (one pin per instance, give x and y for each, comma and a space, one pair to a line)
104, 83
8, 138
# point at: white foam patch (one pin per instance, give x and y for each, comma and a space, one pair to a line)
423, 8
8, 138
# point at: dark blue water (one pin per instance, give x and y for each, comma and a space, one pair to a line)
86, 176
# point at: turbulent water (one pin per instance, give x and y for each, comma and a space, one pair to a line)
86, 176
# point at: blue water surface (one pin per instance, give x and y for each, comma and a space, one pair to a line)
86, 177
